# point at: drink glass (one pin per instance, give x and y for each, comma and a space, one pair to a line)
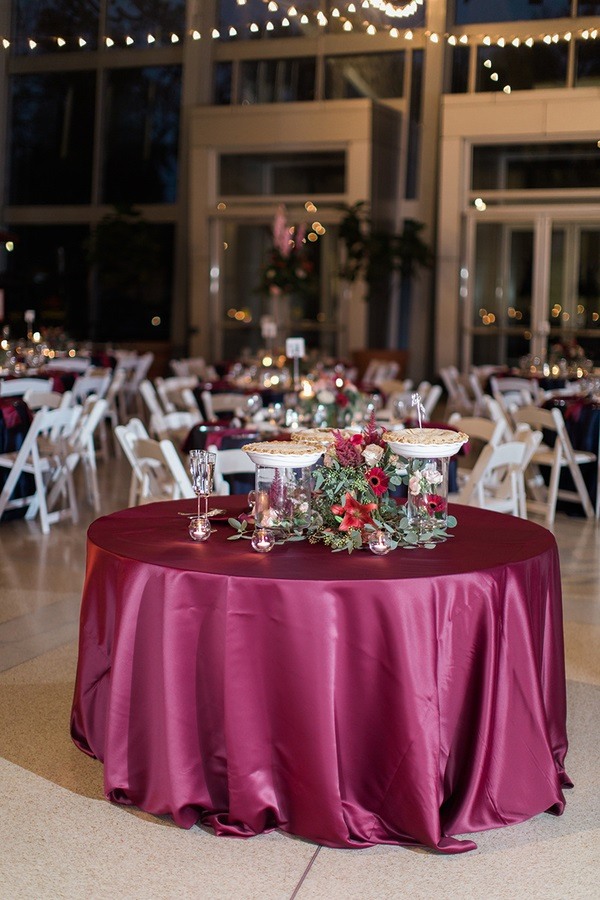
202, 468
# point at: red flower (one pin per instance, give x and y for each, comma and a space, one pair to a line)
435, 503
356, 515
341, 399
378, 480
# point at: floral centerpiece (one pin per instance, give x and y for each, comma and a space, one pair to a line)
570, 355
333, 402
288, 268
354, 500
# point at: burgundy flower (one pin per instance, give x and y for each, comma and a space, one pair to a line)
356, 515
378, 480
435, 503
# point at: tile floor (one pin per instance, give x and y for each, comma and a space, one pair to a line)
61, 839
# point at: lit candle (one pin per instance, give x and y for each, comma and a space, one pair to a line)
261, 502
263, 540
380, 543
199, 528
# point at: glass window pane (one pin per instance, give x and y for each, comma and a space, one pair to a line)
536, 166
373, 75
588, 305
142, 130
587, 71
277, 80
588, 7
282, 173
310, 314
414, 130
468, 11
522, 68
52, 128
47, 272
46, 20
222, 74
135, 285
139, 18
459, 74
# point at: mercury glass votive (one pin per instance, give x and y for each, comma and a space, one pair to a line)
263, 540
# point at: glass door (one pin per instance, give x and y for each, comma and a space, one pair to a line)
248, 317
573, 309
531, 285
499, 326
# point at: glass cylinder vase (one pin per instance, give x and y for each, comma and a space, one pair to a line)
427, 504
283, 499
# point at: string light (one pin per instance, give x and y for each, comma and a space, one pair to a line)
390, 9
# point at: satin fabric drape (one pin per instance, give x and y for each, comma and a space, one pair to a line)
350, 700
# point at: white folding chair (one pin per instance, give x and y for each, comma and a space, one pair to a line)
170, 392
561, 456
515, 391
43, 455
173, 426
482, 432
458, 399
81, 447
124, 435
229, 462
17, 387
497, 480
158, 470
94, 382
114, 404
220, 403
50, 399
79, 364
430, 399
193, 365
136, 375
150, 397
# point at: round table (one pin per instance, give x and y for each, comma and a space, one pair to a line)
348, 699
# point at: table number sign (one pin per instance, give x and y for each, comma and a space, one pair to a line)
295, 348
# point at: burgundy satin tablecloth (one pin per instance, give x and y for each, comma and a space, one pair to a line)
350, 700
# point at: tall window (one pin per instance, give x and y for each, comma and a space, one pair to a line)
142, 135
469, 11
51, 127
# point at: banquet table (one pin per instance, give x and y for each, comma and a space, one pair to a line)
351, 700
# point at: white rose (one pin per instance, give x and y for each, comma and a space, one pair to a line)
372, 454
326, 397
432, 475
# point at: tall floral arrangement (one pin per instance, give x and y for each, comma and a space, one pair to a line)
288, 268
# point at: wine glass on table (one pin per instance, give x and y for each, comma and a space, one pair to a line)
202, 469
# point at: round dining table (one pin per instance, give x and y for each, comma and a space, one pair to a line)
348, 699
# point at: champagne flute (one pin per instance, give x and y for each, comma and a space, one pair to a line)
202, 467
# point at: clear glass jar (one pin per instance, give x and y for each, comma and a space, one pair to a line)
282, 500
427, 504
